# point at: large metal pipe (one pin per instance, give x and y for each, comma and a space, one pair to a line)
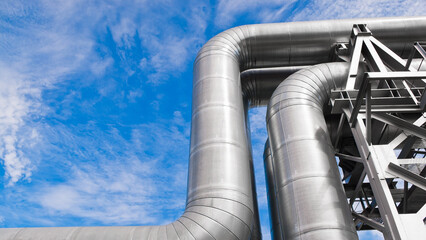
274, 217
221, 199
312, 201
258, 84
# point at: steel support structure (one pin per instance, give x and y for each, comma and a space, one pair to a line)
383, 89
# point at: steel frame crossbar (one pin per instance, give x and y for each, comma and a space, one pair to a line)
386, 71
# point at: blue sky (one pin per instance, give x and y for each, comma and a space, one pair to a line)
95, 103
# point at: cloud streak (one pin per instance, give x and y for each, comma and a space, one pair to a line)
46, 44
109, 177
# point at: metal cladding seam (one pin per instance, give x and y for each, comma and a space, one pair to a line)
311, 198
221, 196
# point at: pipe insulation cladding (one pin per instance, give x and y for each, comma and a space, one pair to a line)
310, 196
274, 217
221, 196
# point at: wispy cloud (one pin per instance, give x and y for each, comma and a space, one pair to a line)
171, 47
35, 57
258, 138
117, 176
371, 235
47, 44
17, 100
303, 10
277, 14
112, 193
229, 11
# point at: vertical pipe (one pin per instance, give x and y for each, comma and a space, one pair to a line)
312, 199
274, 217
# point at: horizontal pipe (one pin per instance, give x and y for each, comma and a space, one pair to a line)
258, 84
221, 195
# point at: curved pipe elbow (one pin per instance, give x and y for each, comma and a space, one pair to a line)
210, 218
311, 199
258, 84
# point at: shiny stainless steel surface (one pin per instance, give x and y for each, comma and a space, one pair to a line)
221, 199
312, 199
274, 218
258, 84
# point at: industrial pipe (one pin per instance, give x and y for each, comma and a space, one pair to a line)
312, 201
221, 196
258, 84
274, 218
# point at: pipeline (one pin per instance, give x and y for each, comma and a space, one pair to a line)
258, 84
221, 196
311, 199
274, 217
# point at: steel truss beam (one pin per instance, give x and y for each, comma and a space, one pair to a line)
390, 88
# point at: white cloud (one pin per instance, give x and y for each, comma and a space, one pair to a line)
300, 10
228, 11
258, 137
16, 101
258, 124
370, 235
118, 180
266, 234
172, 48
134, 95
39, 49
44, 43
113, 194
124, 31
266, 11
269, 15
98, 68
328, 9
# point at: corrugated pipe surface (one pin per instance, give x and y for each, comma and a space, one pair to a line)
221, 198
311, 198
